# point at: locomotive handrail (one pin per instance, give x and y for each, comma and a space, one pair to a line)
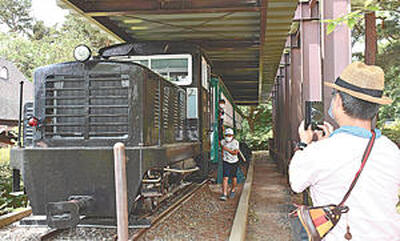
181, 170
82, 106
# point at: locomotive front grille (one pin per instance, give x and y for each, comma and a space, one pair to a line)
87, 107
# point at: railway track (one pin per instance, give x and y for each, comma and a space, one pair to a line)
164, 211
164, 214
50, 234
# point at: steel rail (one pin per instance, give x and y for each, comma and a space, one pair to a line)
50, 234
169, 211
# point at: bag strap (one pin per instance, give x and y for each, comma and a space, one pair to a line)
364, 160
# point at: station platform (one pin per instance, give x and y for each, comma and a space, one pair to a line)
266, 200
269, 202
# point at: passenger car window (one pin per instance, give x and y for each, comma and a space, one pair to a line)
191, 103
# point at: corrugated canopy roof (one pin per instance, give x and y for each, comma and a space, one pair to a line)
244, 39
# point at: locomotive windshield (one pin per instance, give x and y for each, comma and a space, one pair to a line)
176, 68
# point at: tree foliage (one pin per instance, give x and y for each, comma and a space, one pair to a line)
7, 201
30, 44
382, 8
257, 126
15, 14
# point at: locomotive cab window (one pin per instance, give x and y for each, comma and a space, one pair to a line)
177, 68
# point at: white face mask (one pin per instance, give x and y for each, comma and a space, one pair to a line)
228, 138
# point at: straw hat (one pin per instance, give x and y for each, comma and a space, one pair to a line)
363, 81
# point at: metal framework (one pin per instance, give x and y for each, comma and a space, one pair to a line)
243, 39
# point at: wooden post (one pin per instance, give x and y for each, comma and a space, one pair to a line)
336, 47
121, 191
370, 38
371, 45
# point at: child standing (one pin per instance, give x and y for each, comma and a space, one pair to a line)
230, 150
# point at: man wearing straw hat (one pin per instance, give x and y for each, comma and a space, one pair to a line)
329, 165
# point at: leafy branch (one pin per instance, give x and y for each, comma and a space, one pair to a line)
381, 8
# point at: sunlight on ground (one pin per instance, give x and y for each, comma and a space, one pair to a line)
4, 155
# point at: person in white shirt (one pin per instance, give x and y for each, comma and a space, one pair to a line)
329, 165
230, 151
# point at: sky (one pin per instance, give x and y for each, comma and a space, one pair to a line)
48, 11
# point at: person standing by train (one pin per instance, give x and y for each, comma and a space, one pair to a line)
221, 113
329, 165
230, 151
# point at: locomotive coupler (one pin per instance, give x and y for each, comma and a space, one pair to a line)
67, 214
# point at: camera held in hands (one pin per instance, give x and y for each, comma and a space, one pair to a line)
314, 111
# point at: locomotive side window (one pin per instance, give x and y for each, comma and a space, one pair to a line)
176, 68
191, 103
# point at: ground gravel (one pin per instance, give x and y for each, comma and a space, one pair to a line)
269, 203
15, 233
203, 217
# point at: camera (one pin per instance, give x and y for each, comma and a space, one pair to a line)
314, 112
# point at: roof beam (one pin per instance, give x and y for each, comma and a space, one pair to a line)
246, 102
172, 11
107, 22
241, 86
111, 7
245, 81
235, 64
263, 22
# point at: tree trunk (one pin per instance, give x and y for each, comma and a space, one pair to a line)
251, 125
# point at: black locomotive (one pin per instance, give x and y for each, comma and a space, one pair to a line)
83, 108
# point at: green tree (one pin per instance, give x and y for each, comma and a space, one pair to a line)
257, 126
76, 26
50, 45
382, 8
39, 30
15, 14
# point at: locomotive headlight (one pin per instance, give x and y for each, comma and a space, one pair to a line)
82, 53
